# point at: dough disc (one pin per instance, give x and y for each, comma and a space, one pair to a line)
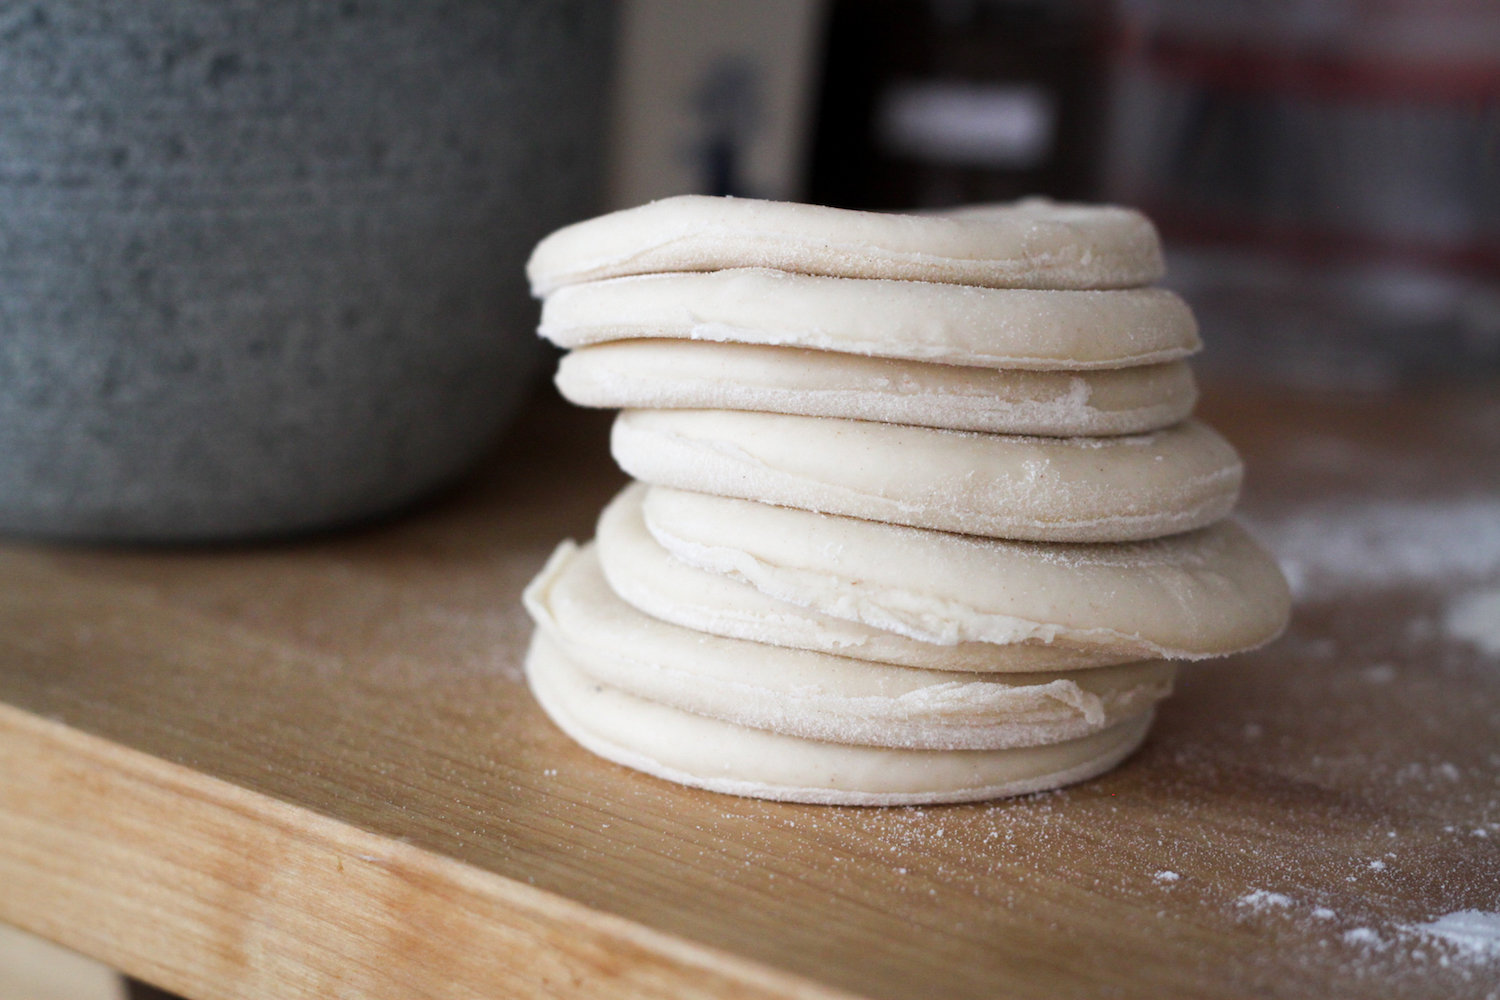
723, 757
915, 320
1028, 244
648, 577
679, 374
1205, 593
1045, 489
818, 696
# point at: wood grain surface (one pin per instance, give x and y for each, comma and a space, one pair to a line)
312, 769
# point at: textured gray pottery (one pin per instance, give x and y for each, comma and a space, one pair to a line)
261, 262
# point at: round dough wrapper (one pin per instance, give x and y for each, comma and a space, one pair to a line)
1027, 244
649, 578
677, 374
818, 696
1205, 593
1042, 489
723, 757
915, 320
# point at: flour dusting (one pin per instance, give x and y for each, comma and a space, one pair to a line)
1474, 934
1365, 937
1474, 617
1260, 900
1333, 548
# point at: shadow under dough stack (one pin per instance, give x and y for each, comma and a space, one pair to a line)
921, 514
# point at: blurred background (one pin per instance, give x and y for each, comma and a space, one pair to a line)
1326, 173
233, 227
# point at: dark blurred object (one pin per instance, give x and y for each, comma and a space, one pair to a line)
727, 101
951, 101
1327, 177
137, 990
712, 98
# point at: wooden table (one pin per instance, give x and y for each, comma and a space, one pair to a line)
312, 770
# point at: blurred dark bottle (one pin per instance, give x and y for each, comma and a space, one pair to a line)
926, 103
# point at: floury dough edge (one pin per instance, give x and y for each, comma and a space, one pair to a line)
686, 374
1000, 486
722, 757
1195, 595
1022, 329
816, 695
1033, 244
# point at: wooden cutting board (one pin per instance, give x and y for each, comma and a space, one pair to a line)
311, 769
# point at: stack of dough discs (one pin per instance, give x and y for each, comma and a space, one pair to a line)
921, 513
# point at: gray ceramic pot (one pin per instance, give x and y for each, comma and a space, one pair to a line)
261, 260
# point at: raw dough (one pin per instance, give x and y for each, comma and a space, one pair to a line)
818, 696
1049, 489
723, 757
1028, 244
648, 577
677, 374
916, 320
1205, 593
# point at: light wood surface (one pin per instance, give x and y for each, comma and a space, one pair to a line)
310, 769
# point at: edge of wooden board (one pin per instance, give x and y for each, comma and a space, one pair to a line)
128, 858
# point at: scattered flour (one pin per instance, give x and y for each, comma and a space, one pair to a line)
1474, 934
1365, 937
1333, 548
1166, 877
1475, 618
1261, 900
1469, 937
